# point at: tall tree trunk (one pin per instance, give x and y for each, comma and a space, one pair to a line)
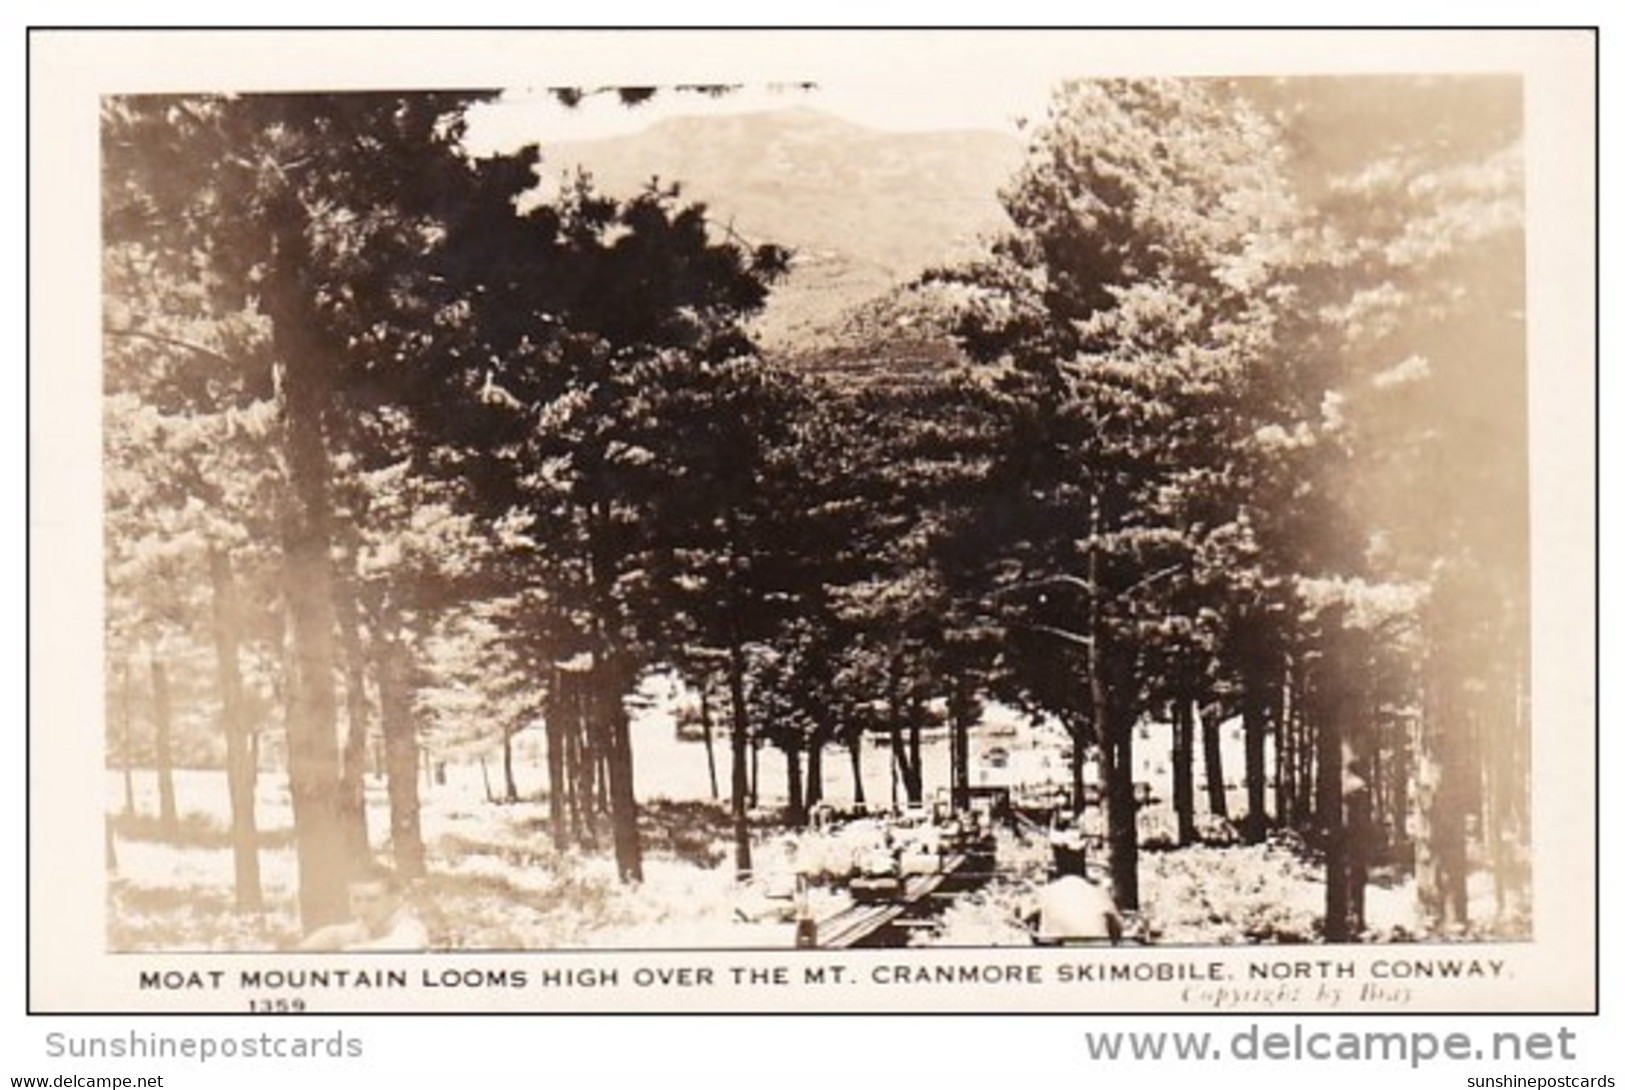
896, 778
755, 772
321, 833
245, 849
894, 749
401, 754
914, 771
1329, 800
1111, 696
904, 747
815, 764
1213, 762
1080, 728
353, 756
169, 822
1379, 755
1441, 811
854, 749
710, 742
622, 793
962, 714
1109, 683
1285, 709
1357, 810
739, 746
510, 790
894, 734
603, 793
576, 768
1307, 774
617, 735
1362, 745
557, 786
1400, 773
126, 743
1344, 796
1255, 712
797, 815
1183, 771
586, 761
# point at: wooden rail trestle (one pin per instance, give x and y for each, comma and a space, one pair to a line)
852, 925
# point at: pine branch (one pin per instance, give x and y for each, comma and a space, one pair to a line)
1063, 634
172, 342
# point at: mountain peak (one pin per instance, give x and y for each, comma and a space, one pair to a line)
799, 119
864, 209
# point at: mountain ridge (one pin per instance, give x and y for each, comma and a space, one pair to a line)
863, 209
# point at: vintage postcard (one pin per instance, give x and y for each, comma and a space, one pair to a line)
813, 521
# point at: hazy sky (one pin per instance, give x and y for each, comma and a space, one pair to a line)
898, 80
905, 85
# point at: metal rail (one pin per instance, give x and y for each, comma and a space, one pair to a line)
852, 925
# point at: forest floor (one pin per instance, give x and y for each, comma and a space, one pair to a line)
497, 882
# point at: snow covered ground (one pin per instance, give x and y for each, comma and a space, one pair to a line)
497, 882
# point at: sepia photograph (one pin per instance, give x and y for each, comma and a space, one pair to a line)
1038, 524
